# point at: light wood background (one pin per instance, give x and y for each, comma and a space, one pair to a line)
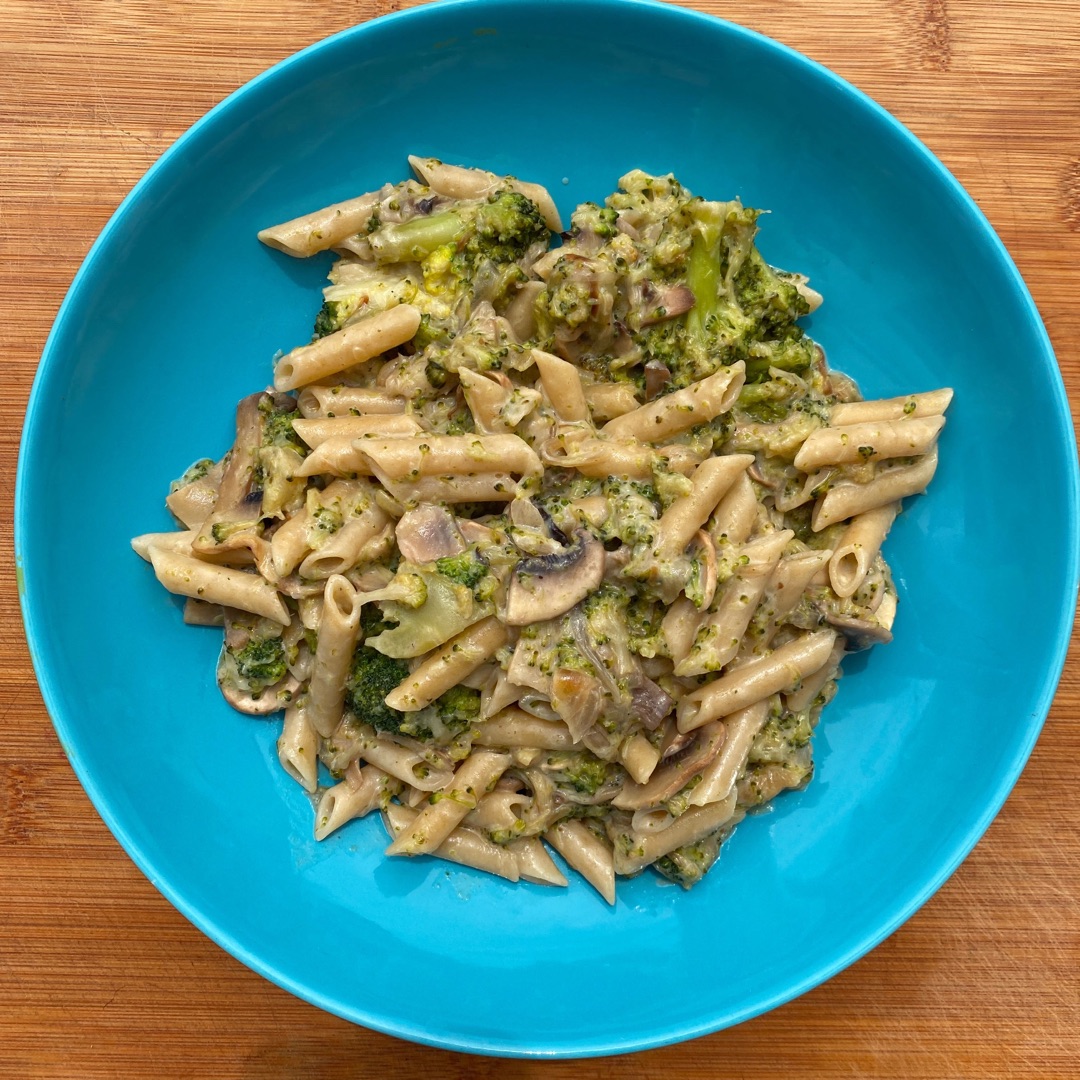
101, 977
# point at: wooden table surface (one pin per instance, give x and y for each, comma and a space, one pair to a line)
100, 976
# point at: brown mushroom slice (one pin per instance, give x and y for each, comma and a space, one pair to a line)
234, 523
650, 703
860, 633
428, 533
672, 302
657, 376
548, 586
673, 776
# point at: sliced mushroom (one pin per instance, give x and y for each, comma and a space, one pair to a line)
235, 522
650, 703
860, 633
547, 586
428, 533
670, 303
657, 376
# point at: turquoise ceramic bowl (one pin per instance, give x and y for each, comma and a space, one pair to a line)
177, 313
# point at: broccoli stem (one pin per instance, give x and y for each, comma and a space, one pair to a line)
703, 279
417, 238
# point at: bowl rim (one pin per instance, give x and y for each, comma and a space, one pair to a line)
50, 368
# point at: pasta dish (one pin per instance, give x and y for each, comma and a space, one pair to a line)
547, 547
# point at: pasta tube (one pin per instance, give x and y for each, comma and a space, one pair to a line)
339, 628
756, 680
342, 349
696, 404
869, 441
476, 775
218, 584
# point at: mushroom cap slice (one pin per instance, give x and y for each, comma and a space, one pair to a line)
548, 586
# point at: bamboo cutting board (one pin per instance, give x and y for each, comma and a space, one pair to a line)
101, 977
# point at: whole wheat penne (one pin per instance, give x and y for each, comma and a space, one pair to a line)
344, 348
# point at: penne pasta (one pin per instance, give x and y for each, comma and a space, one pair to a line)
932, 403
413, 457
781, 669
461, 183
298, 747
858, 548
321, 229
223, 585
590, 856
317, 431
353, 345
339, 626
870, 441
562, 384
314, 402
462, 846
667, 416
634, 851
711, 480
847, 500
476, 775
448, 665
345, 801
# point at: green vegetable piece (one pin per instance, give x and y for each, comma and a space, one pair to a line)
371, 677
261, 662
465, 569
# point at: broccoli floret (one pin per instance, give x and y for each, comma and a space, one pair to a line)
192, 473
277, 425
466, 569
591, 218
501, 229
372, 621
506, 226
793, 351
371, 677
430, 333
767, 296
261, 662
686, 866
581, 770
458, 707
331, 316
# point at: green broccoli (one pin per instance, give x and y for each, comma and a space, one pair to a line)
465, 569
458, 707
591, 218
581, 770
506, 226
686, 866
371, 677
768, 296
277, 425
260, 663
501, 229
192, 473
331, 317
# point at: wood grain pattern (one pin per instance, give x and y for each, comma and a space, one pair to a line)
101, 977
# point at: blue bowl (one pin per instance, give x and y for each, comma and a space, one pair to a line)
177, 313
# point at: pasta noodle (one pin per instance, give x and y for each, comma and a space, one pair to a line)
546, 547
